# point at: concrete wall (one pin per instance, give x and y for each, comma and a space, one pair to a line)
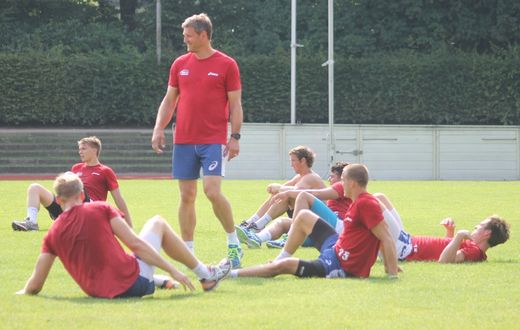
394, 152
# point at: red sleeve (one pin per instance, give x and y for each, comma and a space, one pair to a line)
233, 77
472, 252
172, 80
370, 213
338, 186
46, 246
111, 178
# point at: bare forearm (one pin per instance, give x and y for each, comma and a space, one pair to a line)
236, 118
449, 253
389, 256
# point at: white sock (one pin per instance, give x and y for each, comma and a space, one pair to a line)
284, 254
233, 273
264, 235
260, 223
201, 270
397, 217
232, 238
32, 214
190, 245
159, 279
253, 218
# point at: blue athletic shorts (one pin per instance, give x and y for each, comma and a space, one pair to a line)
328, 257
141, 287
188, 159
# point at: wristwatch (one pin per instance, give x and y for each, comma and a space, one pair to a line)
235, 136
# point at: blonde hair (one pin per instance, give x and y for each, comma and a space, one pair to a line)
67, 185
199, 23
93, 142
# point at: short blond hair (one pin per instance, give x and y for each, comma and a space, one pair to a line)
93, 142
67, 185
199, 23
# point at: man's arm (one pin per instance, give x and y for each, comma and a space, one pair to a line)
236, 115
164, 116
387, 248
145, 251
121, 205
449, 224
451, 253
323, 194
39, 275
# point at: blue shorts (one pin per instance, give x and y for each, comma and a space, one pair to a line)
188, 159
324, 212
141, 287
329, 259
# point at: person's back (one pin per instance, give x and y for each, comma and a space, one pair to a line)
82, 238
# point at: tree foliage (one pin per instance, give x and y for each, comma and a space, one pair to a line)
90, 62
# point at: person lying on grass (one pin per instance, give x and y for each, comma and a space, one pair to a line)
84, 237
350, 254
464, 246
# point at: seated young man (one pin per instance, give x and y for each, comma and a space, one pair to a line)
333, 211
462, 247
352, 253
302, 159
97, 178
85, 238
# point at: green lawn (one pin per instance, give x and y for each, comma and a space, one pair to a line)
427, 295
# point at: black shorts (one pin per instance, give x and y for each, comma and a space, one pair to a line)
141, 287
54, 209
312, 268
320, 232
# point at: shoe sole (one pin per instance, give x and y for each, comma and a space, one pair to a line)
17, 227
242, 237
272, 246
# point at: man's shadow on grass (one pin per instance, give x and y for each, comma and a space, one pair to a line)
87, 300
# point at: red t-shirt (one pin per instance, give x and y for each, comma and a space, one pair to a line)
426, 248
357, 247
203, 110
83, 240
341, 204
98, 180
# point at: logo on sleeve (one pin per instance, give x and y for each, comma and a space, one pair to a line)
184, 72
213, 74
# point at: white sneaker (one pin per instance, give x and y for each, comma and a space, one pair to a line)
217, 273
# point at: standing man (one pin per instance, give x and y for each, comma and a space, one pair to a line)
204, 86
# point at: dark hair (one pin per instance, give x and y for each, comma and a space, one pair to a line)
303, 152
358, 173
338, 167
499, 230
199, 23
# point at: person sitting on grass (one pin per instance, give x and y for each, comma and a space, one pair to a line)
85, 238
351, 254
302, 159
97, 178
464, 246
332, 211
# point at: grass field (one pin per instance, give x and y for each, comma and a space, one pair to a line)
427, 295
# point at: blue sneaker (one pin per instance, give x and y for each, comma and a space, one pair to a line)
277, 244
234, 255
247, 237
